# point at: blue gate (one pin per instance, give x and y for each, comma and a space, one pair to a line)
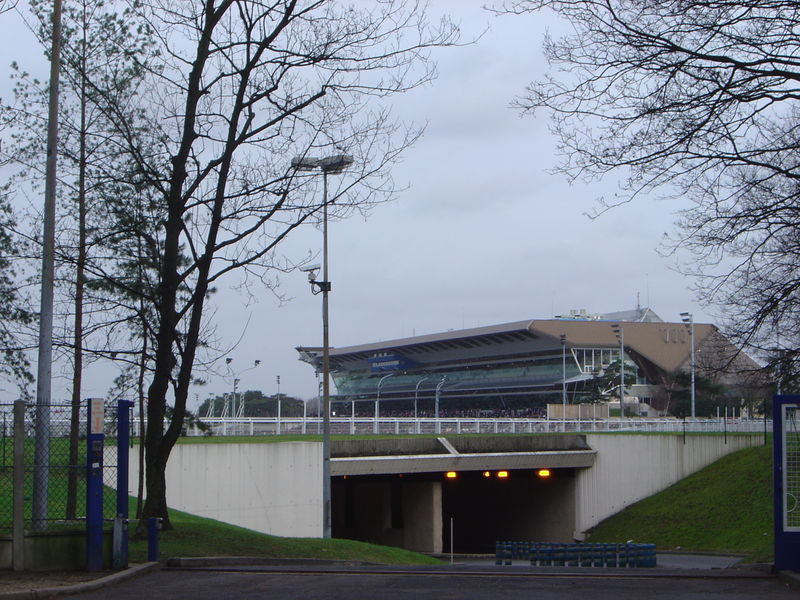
786, 466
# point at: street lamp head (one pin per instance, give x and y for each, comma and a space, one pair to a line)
305, 163
336, 163
330, 164
256, 362
686, 317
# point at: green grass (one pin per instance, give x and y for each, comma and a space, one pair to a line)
726, 508
197, 536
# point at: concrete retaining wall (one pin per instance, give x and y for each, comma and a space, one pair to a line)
274, 488
631, 467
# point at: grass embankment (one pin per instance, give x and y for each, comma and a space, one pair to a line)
197, 536
726, 507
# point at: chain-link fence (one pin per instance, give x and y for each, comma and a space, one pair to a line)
6, 468
55, 460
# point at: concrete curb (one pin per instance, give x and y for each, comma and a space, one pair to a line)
84, 586
254, 561
790, 578
282, 565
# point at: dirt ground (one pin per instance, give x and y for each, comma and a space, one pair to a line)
11, 581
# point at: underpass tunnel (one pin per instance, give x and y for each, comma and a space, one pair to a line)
518, 505
402, 510
414, 510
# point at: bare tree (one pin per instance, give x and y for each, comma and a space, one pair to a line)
244, 86
692, 99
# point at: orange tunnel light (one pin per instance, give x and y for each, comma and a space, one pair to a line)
543, 473
451, 474
502, 474
487, 474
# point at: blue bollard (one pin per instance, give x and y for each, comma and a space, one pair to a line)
153, 525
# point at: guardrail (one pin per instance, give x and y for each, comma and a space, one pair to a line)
481, 425
542, 554
405, 426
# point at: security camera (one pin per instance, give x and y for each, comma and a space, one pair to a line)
312, 271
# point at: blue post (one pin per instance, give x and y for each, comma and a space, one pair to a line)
123, 449
786, 522
153, 524
94, 487
120, 546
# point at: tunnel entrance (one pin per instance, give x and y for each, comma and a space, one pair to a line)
402, 510
415, 510
483, 508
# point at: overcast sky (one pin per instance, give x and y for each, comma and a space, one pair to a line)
483, 234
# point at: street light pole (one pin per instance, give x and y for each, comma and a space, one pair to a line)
619, 331
238, 412
688, 319
328, 165
278, 394
564, 379
416, 394
438, 391
378, 401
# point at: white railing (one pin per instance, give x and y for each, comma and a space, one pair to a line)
229, 426
366, 425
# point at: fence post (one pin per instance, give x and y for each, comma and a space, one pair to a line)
153, 525
18, 527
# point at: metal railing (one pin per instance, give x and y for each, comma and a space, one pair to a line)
310, 425
409, 425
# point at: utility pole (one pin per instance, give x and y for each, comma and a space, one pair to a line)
45, 361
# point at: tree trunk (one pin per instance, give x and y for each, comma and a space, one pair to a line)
77, 366
140, 393
156, 503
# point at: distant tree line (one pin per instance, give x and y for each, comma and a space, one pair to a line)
256, 404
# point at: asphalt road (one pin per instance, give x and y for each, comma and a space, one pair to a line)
440, 584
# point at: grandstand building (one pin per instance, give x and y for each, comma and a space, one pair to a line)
516, 369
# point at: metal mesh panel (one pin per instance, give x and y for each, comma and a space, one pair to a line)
55, 465
6, 467
791, 468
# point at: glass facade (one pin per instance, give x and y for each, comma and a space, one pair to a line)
530, 372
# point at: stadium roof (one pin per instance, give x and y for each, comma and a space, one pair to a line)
666, 345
